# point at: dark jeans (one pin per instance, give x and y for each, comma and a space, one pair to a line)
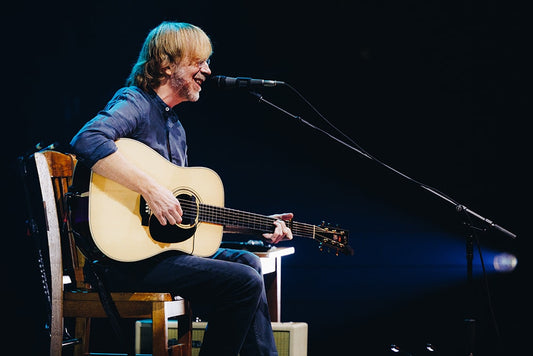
230, 282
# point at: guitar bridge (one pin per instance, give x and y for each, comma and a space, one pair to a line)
144, 211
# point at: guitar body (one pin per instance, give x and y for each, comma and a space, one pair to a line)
122, 232
123, 228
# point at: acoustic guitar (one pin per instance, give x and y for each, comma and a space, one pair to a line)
123, 228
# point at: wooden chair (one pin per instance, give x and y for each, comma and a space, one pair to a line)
54, 171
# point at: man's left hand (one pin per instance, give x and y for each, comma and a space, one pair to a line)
281, 232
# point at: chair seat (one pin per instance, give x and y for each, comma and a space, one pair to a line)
129, 305
87, 295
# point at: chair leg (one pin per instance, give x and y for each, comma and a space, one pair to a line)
159, 330
83, 332
185, 330
177, 350
56, 331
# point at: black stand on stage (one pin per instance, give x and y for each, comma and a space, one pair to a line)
460, 208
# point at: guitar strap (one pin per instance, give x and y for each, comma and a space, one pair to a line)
93, 273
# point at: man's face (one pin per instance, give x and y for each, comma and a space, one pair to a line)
187, 79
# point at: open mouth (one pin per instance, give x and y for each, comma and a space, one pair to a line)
198, 81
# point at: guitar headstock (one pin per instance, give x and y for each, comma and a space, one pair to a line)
333, 238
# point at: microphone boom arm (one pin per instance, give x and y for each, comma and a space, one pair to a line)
459, 207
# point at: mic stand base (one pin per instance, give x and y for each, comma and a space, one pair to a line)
470, 326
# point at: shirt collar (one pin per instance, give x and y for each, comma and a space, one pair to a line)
166, 110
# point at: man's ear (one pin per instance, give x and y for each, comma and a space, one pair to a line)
167, 71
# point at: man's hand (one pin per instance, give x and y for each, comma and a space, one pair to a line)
164, 205
281, 232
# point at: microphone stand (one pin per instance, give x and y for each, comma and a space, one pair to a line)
460, 208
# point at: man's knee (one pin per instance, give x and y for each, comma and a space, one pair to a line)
252, 260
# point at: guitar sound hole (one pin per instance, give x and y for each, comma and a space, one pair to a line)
176, 233
190, 212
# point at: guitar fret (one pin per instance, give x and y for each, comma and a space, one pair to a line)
231, 217
245, 220
255, 222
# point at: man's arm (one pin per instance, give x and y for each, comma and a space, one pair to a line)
161, 201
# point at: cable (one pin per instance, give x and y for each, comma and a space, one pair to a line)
460, 208
486, 284
360, 149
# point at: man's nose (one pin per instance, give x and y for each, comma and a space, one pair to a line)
204, 68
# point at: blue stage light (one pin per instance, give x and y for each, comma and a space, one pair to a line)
504, 262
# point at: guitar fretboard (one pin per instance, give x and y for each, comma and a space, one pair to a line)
242, 220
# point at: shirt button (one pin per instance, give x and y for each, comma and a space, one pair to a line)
167, 109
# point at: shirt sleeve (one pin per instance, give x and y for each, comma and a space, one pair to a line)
96, 139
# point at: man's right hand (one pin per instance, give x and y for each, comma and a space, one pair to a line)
164, 205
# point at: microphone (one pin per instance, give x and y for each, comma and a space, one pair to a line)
243, 82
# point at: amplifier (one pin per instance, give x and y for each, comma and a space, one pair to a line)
290, 337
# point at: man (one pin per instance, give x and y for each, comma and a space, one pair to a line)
172, 66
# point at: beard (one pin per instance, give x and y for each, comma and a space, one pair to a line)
183, 87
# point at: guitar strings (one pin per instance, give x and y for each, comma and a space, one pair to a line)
253, 221
232, 217
194, 211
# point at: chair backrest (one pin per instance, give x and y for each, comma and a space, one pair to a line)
55, 171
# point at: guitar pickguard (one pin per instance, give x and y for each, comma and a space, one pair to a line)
172, 233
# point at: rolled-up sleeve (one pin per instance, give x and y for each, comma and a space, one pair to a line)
96, 139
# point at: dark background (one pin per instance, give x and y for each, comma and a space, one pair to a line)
434, 89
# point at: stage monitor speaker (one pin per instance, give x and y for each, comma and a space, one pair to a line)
290, 337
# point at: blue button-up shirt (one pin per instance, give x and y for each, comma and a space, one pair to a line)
135, 114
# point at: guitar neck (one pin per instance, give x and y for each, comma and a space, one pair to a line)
243, 221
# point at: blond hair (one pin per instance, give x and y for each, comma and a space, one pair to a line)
170, 42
